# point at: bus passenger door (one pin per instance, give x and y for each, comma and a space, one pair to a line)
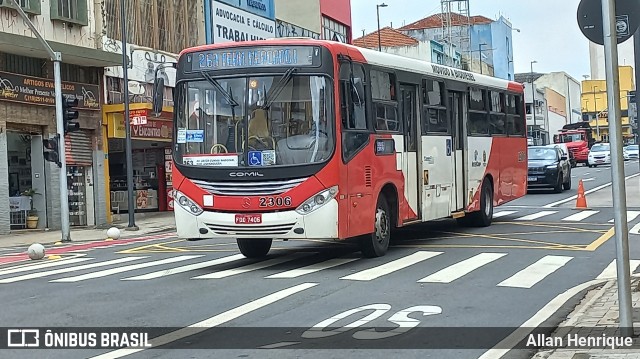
457, 104
410, 165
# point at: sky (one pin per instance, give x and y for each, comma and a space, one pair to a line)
549, 32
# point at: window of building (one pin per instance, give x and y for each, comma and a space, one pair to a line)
74, 11
29, 6
333, 30
434, 108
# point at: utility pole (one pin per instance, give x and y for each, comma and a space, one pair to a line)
621, 227
56, 57
636, 49
127, 122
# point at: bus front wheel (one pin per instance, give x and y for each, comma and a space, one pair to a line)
377, 243
254, 248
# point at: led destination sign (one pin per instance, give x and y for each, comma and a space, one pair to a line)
255, 57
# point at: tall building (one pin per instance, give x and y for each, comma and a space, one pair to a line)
491, 46
557, 103
596, 58
595, 106
157, 30
29, 185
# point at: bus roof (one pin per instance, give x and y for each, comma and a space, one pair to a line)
376, 58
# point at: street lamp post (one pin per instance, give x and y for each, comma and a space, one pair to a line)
595, 110
378, 6
127, 121
480, 56
533, 102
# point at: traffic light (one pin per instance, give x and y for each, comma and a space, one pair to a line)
69, 113
52, 149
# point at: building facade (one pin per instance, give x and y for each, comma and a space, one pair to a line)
596, 58
157, 30
595, 105
395, 42
29, 185
320, 19
491, 47
557, 103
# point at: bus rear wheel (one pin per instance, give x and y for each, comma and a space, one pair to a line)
377, 243
484, 216
254, 248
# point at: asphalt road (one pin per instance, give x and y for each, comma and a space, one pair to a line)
445, 285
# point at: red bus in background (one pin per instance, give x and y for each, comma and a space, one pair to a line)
309, 139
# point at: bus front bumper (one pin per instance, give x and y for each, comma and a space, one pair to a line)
319, 224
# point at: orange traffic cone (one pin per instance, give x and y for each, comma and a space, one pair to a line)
581, 202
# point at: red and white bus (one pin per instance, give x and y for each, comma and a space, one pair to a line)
306, 139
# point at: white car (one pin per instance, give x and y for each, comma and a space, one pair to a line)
631, 152
600, 154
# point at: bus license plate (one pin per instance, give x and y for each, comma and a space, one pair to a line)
248, 218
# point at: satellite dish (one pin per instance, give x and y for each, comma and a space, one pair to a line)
136, 88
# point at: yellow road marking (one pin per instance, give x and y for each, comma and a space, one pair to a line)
600, 241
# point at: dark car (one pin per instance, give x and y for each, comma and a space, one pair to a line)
548, 167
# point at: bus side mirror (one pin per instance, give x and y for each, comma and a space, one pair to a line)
158, 95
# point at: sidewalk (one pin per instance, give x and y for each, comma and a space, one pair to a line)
148, 223
596, 315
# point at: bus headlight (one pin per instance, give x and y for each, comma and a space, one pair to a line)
317, 201
186, 203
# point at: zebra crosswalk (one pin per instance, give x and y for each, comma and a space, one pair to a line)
420, 267
566, 216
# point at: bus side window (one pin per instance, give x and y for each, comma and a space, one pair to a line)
353, 104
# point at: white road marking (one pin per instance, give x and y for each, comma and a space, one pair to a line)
387, 268
69, 269
635, 229
588, 179
631, 215
214, 321
580, 216
294, 273
551, 205
109, 272
187, 268
536, 272
540, 214
611, 271
503, 213
517, 336
460, 269
278, 345
53, 263
254, 266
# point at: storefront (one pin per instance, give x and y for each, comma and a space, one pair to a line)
151, 153
31, 197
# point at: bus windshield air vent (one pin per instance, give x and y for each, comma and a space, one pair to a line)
263, 188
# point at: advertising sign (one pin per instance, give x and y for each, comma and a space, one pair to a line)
39, 91
264, 8
227, 24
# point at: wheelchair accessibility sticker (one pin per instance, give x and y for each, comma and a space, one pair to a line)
262, 158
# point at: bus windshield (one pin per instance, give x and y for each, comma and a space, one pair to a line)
281, 120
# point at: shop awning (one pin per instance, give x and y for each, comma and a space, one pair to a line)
77, 55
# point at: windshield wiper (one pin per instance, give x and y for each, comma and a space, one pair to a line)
227, 96
278, 87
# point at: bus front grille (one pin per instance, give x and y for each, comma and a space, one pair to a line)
265, 188
253, 230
